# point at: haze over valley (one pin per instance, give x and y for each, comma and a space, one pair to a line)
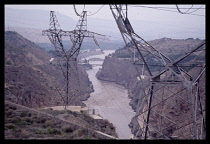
142, 80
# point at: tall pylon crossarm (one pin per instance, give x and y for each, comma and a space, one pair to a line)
54, 24
54, 34
148, 55
68, 57
78, 36
131, 38
82, 23
177, 85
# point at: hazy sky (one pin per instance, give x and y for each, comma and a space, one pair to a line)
134, 11
165, 15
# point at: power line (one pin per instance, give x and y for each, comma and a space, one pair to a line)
165, 10
96, 11
190, 8
19, 18
105, 26
37, 25
97, 104
84, 8
76, 10
112, 99
187, 10
29, 22
171, 7
113, 93
92, 14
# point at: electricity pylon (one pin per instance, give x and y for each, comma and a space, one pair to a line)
68, 57
169, 91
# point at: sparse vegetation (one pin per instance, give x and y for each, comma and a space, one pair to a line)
10, 126
48, 123
23, 114
28, 72
69, 129
15, 119
26, 124
53, 131
114, 70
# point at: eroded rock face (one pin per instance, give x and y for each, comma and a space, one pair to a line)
31, 80
123, 72
117, 70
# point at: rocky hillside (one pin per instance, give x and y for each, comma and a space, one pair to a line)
175, 46
119, 69
112, 71
31, 80
26, 123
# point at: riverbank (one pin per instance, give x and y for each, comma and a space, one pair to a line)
111, 101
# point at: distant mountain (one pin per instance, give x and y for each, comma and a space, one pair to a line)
30, 24
175, 46
31, 80
36, 19
172, 48
20, 51
124, 72
85, 45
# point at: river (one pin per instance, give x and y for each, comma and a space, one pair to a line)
110, 100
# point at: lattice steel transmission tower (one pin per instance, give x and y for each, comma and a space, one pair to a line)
171, 104
68, 57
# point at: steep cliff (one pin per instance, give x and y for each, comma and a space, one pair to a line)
120, 70
31, 80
